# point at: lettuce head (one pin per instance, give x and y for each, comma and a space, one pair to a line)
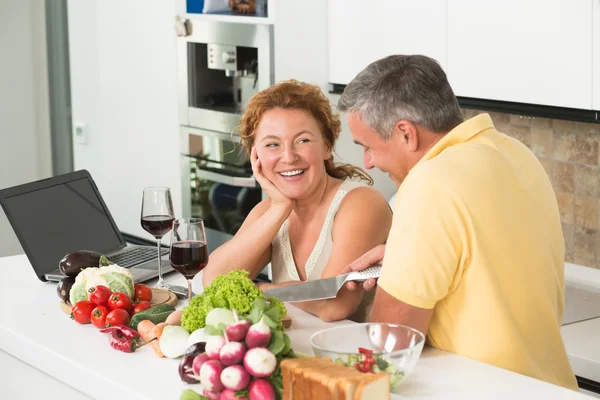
233, 291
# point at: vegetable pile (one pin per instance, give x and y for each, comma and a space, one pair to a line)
241, 357
233, 291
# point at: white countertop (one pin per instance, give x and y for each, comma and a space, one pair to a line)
582, 341
35, 330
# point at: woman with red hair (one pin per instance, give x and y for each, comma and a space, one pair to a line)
319, 216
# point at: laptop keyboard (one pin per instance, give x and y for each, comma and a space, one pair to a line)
136, 255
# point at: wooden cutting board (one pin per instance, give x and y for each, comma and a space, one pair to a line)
159, 296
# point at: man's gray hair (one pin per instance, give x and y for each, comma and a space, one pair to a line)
401, 87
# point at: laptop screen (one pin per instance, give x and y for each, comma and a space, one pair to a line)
56, 220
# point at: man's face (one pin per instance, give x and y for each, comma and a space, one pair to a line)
391, 156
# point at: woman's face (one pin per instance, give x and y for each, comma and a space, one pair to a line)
292, 151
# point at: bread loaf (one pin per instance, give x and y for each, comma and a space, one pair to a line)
319, 378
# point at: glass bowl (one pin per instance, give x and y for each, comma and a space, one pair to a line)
396, 348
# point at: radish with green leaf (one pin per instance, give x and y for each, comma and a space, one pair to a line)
197, 363
228, 394
213, 346
235, 377
259, 335
236, 332
232, 353
260, 362
210, 376
261, 389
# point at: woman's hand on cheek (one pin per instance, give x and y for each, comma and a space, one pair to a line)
277, 198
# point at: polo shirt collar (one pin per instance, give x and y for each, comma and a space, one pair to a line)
462, 133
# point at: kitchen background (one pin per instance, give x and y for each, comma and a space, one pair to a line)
123, 87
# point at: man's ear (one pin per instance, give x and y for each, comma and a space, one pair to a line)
408, 134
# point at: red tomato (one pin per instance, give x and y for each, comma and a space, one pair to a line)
141, 306
143, 292
120, 300
82, 311
118, 316
98, 316
99, 295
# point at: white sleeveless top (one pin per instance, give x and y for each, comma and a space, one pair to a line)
283, 266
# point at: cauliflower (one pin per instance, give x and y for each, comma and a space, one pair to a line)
114, 277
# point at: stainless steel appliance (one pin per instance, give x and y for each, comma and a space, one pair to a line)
221, 66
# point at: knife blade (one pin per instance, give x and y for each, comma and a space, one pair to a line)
321, 288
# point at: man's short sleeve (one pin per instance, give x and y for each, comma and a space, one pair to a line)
426, 242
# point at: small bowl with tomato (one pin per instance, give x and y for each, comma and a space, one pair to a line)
372, 347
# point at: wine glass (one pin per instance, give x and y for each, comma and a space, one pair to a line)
157, 217
189, 251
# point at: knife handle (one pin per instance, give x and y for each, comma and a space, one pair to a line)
372, 272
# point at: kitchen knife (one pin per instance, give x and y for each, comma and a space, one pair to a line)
321, 288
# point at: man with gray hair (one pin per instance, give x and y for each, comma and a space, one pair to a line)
475, 255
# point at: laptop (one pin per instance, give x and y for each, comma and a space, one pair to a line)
57, 216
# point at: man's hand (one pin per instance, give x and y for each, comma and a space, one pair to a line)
370, 258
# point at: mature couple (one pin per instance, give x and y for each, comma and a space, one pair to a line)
475, 252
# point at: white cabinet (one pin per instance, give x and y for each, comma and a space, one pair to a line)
596, 55
361, 32
534, 51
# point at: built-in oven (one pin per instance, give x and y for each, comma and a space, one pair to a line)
219, 183
221, 66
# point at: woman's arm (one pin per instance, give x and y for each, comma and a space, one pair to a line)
362, 222
250, 248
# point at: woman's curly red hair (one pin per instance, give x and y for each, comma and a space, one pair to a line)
296, 95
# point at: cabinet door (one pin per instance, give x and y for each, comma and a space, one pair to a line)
361, 32
596, 55
534, 51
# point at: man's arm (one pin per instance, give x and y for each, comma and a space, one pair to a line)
386, 308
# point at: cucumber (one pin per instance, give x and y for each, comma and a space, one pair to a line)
156, 314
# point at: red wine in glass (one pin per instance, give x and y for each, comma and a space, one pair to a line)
189, 257
189, 252
156, 219
157, 225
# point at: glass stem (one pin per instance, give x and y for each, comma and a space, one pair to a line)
189, 290
160, 278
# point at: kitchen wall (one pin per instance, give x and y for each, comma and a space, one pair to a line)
24, 110
569, 152
124, 89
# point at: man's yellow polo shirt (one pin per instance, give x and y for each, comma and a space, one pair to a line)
476, 236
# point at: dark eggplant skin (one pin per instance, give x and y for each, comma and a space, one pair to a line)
73, 263
64, 287
185, 365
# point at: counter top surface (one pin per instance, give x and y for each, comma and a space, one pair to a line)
35, 330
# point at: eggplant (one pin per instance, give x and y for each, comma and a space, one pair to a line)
64, 287
185, 365
73, 263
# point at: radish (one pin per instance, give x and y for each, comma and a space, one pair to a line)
198, 361
210, 376
211, 395
229, 394
259, 335
213, 346
260, 362
261, 389
235, 377
236, 332
232, 353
